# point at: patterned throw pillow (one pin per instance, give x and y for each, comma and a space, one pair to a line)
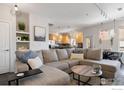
24, 56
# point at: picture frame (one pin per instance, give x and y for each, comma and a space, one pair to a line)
39, 33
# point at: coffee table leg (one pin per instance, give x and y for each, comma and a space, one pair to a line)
78, 79
100, 79
73, 75
17, 82
87, 82
9, 82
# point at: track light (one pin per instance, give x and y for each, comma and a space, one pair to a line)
103, 13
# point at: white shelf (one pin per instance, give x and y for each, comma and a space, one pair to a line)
22, 32
22, 41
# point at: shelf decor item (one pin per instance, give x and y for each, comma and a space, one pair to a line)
39, 33
24, 38
21, 26
18, 38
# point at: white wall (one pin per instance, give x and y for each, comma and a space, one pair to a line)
93, 31
7, 16
37, 20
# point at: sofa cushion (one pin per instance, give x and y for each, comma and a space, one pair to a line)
62, 54
113, 63
107, 65
23, 56
20, 67
95, 54
19, 54
59, 65
81, 50
39, 53
50, 76
71, 62
77, 56
49, 56
35, 63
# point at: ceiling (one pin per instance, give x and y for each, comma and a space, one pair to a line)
76, 14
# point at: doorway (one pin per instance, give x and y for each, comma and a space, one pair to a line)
4, 47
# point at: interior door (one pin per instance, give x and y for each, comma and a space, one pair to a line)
4, 47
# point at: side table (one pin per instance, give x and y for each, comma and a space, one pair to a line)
11, 76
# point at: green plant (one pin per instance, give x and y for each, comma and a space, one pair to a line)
21, 25
25, 38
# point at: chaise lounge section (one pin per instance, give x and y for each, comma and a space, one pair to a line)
50, 76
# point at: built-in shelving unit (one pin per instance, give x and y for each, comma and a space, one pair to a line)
22, 36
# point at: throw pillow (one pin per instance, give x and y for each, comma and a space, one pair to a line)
35, 63
95, 54
77, 56
80, 51
24, 56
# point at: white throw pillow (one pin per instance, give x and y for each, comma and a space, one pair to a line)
77, 56
35, 63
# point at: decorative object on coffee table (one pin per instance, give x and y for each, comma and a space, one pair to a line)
11, 76
86, 71
97, 68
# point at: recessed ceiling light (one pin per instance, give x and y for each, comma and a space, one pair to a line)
120, 9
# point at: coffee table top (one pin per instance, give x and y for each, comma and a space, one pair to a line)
85, 70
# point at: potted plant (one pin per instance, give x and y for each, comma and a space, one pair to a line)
21, 26
24, 38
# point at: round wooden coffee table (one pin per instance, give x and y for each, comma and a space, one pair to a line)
86, 71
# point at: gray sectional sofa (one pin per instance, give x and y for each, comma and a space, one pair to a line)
110, 68
57, 64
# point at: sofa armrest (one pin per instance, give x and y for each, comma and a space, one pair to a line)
109, 67
105, 66
20, 67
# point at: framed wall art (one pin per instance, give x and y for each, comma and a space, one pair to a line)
39, 33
